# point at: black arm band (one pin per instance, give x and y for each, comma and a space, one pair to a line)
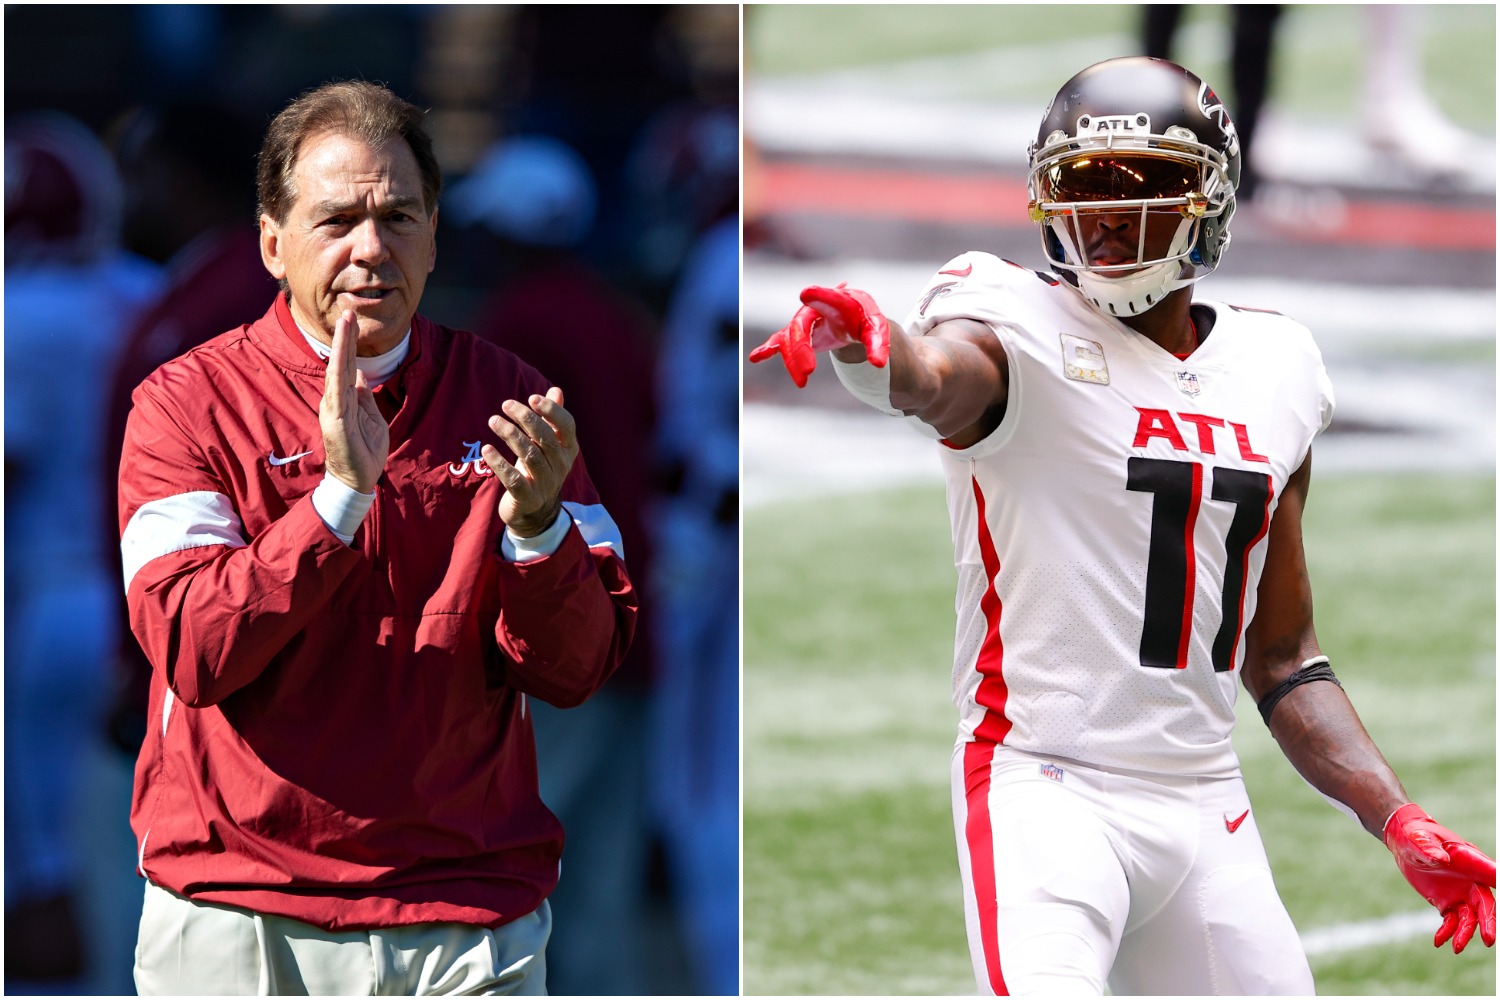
1315, 669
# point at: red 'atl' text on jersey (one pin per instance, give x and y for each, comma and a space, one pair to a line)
339, 734
1110, 534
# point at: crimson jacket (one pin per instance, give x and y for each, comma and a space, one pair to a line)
339, 734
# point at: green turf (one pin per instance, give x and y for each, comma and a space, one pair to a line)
851, 884
1318, 63
1401, 970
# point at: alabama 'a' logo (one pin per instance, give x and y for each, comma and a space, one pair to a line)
472, 460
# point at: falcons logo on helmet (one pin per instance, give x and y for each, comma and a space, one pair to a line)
1213, 110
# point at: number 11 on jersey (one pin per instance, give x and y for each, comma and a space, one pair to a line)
1171, 565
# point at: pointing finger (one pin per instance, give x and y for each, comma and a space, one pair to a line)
770, 348
797, 350
341, 367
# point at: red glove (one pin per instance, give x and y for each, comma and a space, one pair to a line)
829, 318
1451, 874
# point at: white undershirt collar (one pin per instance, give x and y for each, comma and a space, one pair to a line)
377, 368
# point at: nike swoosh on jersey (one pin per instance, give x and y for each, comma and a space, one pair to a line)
967, 270
1234, 824
290, 458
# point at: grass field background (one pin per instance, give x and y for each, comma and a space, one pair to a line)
851, 883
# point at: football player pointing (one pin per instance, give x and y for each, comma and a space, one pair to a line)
1126, 473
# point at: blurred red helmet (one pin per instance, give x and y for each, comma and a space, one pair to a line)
62, 192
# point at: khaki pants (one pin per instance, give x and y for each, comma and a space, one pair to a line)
189, 948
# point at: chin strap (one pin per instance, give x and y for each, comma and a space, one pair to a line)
1133, 295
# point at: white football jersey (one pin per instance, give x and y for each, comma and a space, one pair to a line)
1109, 535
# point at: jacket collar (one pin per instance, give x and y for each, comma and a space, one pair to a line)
277, 332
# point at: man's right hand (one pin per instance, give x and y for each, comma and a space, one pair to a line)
830, 318
356, 439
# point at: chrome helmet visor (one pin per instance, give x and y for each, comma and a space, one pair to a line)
1108, 175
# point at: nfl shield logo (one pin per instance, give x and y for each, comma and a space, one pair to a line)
1052, 771
1188, 383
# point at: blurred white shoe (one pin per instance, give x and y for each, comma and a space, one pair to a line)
1410, 127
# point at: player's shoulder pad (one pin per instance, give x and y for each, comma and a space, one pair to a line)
1253, 309
972, 281
979, 267
1266, 320
1269, 328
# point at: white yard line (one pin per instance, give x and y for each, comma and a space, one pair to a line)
1391, 929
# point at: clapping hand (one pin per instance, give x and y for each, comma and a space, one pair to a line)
542, 436
356, 440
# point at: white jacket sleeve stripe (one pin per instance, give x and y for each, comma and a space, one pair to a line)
598, 529
171, 524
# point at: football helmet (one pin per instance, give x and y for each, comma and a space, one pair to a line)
1137, 137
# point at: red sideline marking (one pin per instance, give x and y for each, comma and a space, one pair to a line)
980, 836
992, 693
891, 194
919, 196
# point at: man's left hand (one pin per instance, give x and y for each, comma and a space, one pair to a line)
542, 436
1450, 873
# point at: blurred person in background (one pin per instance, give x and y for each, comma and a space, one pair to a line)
683, 172
535, 200
1397, 114
189, 204
682, 61
71, 291
695, 790
666, 172
1253, 37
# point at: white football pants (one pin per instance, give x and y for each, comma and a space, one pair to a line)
1075, 878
